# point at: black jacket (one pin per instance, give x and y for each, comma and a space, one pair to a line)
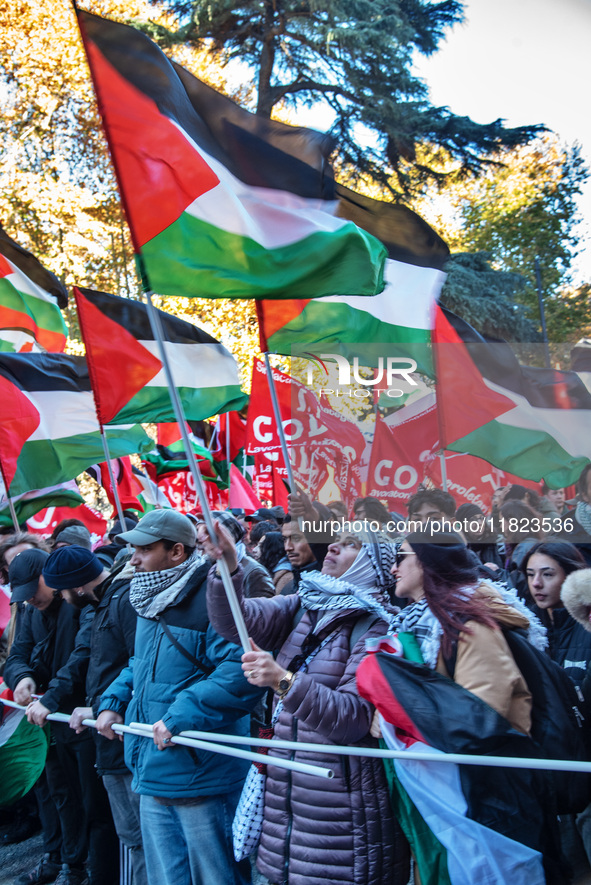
570, 643
53, 647
111, 646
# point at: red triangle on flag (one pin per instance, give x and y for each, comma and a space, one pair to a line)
20, 419
118, 365
464, 400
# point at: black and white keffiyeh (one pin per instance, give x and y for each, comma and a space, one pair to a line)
419, 620
151, 592
583, 515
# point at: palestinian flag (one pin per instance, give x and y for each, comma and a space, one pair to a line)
30, 301
528, 421
49, 431
65, 494
23, 750
127, 377
170, 459
466, 824
401, 315
220, 203
150, 497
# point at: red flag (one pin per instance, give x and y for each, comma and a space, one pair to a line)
237, 426
118, 365
20, 419
127, 486
241, 493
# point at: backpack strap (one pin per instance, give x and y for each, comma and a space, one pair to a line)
361, 626
207, 670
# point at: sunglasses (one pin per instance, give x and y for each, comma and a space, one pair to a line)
398, 559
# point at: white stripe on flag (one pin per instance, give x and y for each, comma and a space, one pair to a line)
475, 853
408, 299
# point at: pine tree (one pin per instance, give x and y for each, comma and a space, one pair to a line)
355, 56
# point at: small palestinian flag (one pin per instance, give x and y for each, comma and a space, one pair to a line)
65, 494
49, 431
30, 301
127, 376
466, 824
221, 203
23, 750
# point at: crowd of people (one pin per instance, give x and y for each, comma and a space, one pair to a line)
141, 630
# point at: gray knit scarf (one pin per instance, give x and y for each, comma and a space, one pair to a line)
152, 592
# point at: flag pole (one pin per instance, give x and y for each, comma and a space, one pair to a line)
15, 523
156, 327
277, 414
435, 346
114, 486
228, 453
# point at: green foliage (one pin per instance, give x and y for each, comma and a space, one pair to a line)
527, 208
486, 297
355, 56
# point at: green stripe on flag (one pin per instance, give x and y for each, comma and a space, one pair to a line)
46, 462
46, 314
528, 453
232, 266
153, 404
430, 855
22, 759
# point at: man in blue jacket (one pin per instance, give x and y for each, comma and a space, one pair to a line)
182, 676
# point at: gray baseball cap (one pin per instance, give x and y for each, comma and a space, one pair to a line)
161, 525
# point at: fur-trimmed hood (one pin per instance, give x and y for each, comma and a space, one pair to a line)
576, 596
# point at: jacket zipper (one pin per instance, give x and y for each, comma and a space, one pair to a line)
156, 653
294, 737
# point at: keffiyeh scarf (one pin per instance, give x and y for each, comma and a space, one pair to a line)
419, 620
152, 592
583, 515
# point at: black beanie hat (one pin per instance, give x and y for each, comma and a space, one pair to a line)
70, 567
468, 511
445, 554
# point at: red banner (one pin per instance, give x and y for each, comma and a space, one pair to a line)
44, 522
405, 453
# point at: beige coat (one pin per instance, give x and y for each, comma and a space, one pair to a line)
486, 667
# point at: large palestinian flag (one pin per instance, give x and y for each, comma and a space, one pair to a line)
466, 824
400, 317
220, 202
532, 422
127, 376
49, 431
30, 301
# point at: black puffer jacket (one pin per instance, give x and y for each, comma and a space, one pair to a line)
570, 643
53, 647
111, 646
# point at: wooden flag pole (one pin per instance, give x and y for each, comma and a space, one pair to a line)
114, 486
278, 423
194, 467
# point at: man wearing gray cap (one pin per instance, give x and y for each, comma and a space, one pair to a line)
183, 676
